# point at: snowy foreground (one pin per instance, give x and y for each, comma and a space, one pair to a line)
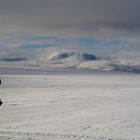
70, 106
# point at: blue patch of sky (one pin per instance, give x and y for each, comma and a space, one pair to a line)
111, 44
80, 41
117, 43
105, 45
89, 42
95, 43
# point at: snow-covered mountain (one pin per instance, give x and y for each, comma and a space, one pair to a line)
78, 60
64, 59
72, 56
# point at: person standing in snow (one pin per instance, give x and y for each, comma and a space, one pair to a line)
0, 102
0, 99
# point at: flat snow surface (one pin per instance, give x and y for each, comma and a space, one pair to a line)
70, 106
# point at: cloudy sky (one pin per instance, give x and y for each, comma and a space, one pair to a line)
109, 20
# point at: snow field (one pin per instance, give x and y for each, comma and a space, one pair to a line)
55, 107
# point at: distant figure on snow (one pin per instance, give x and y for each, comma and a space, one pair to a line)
0, 102
0, 81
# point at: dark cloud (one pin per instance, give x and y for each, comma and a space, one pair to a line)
87, 17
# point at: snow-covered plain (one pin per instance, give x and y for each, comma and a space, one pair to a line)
69, 105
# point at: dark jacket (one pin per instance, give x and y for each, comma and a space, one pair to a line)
0, 102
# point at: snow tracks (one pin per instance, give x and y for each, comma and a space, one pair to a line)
11, 135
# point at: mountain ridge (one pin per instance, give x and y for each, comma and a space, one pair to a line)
77, 60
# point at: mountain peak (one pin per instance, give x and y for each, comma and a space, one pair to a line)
71, 55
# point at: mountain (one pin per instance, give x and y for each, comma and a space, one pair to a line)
64, 59
8, 59
84, 60
72, 56
76, 60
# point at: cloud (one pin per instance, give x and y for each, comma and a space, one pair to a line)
33, 46
101, 18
